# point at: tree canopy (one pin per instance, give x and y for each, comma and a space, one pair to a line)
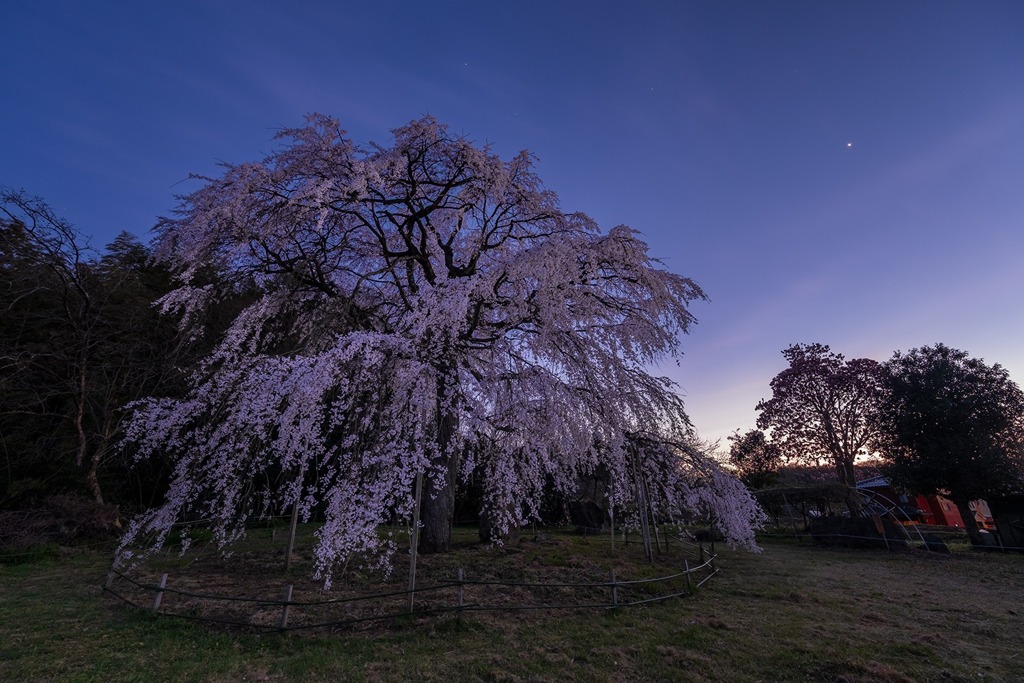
822, 408
952, 424
424, 308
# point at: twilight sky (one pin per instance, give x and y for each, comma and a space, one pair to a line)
850, 173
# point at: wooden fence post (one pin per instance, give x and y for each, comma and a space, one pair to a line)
615, 591
461, 577
158, 598
689, 582
286, 607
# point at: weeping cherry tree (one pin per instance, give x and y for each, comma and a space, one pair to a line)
420, 310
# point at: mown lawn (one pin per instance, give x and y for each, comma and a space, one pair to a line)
791, 613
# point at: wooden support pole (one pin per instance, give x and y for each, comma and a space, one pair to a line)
159, 597
291, 536
285, 608
641, 503
461, 597
689, 582
650, 506
657, 537
615, 591
414, 539
611, 514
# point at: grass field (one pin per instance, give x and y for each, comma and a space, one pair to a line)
792, 613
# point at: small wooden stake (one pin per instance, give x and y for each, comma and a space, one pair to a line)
286, 607
159, 597
460, 579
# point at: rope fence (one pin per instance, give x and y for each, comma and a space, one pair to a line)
292, 612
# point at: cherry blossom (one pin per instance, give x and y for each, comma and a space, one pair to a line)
424, 307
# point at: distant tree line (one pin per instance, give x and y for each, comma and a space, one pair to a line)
940, 421
79, 340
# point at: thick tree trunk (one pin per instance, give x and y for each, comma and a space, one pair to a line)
437, 510
970, 524
438, 506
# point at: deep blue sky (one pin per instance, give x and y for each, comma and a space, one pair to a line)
850, 173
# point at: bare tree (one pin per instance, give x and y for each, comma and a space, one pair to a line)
79, 339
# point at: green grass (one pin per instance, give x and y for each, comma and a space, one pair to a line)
29, 555
792, 613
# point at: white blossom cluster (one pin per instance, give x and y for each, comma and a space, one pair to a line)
396, 289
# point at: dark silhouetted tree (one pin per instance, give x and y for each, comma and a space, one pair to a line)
755, 458
952, 425
822, 409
